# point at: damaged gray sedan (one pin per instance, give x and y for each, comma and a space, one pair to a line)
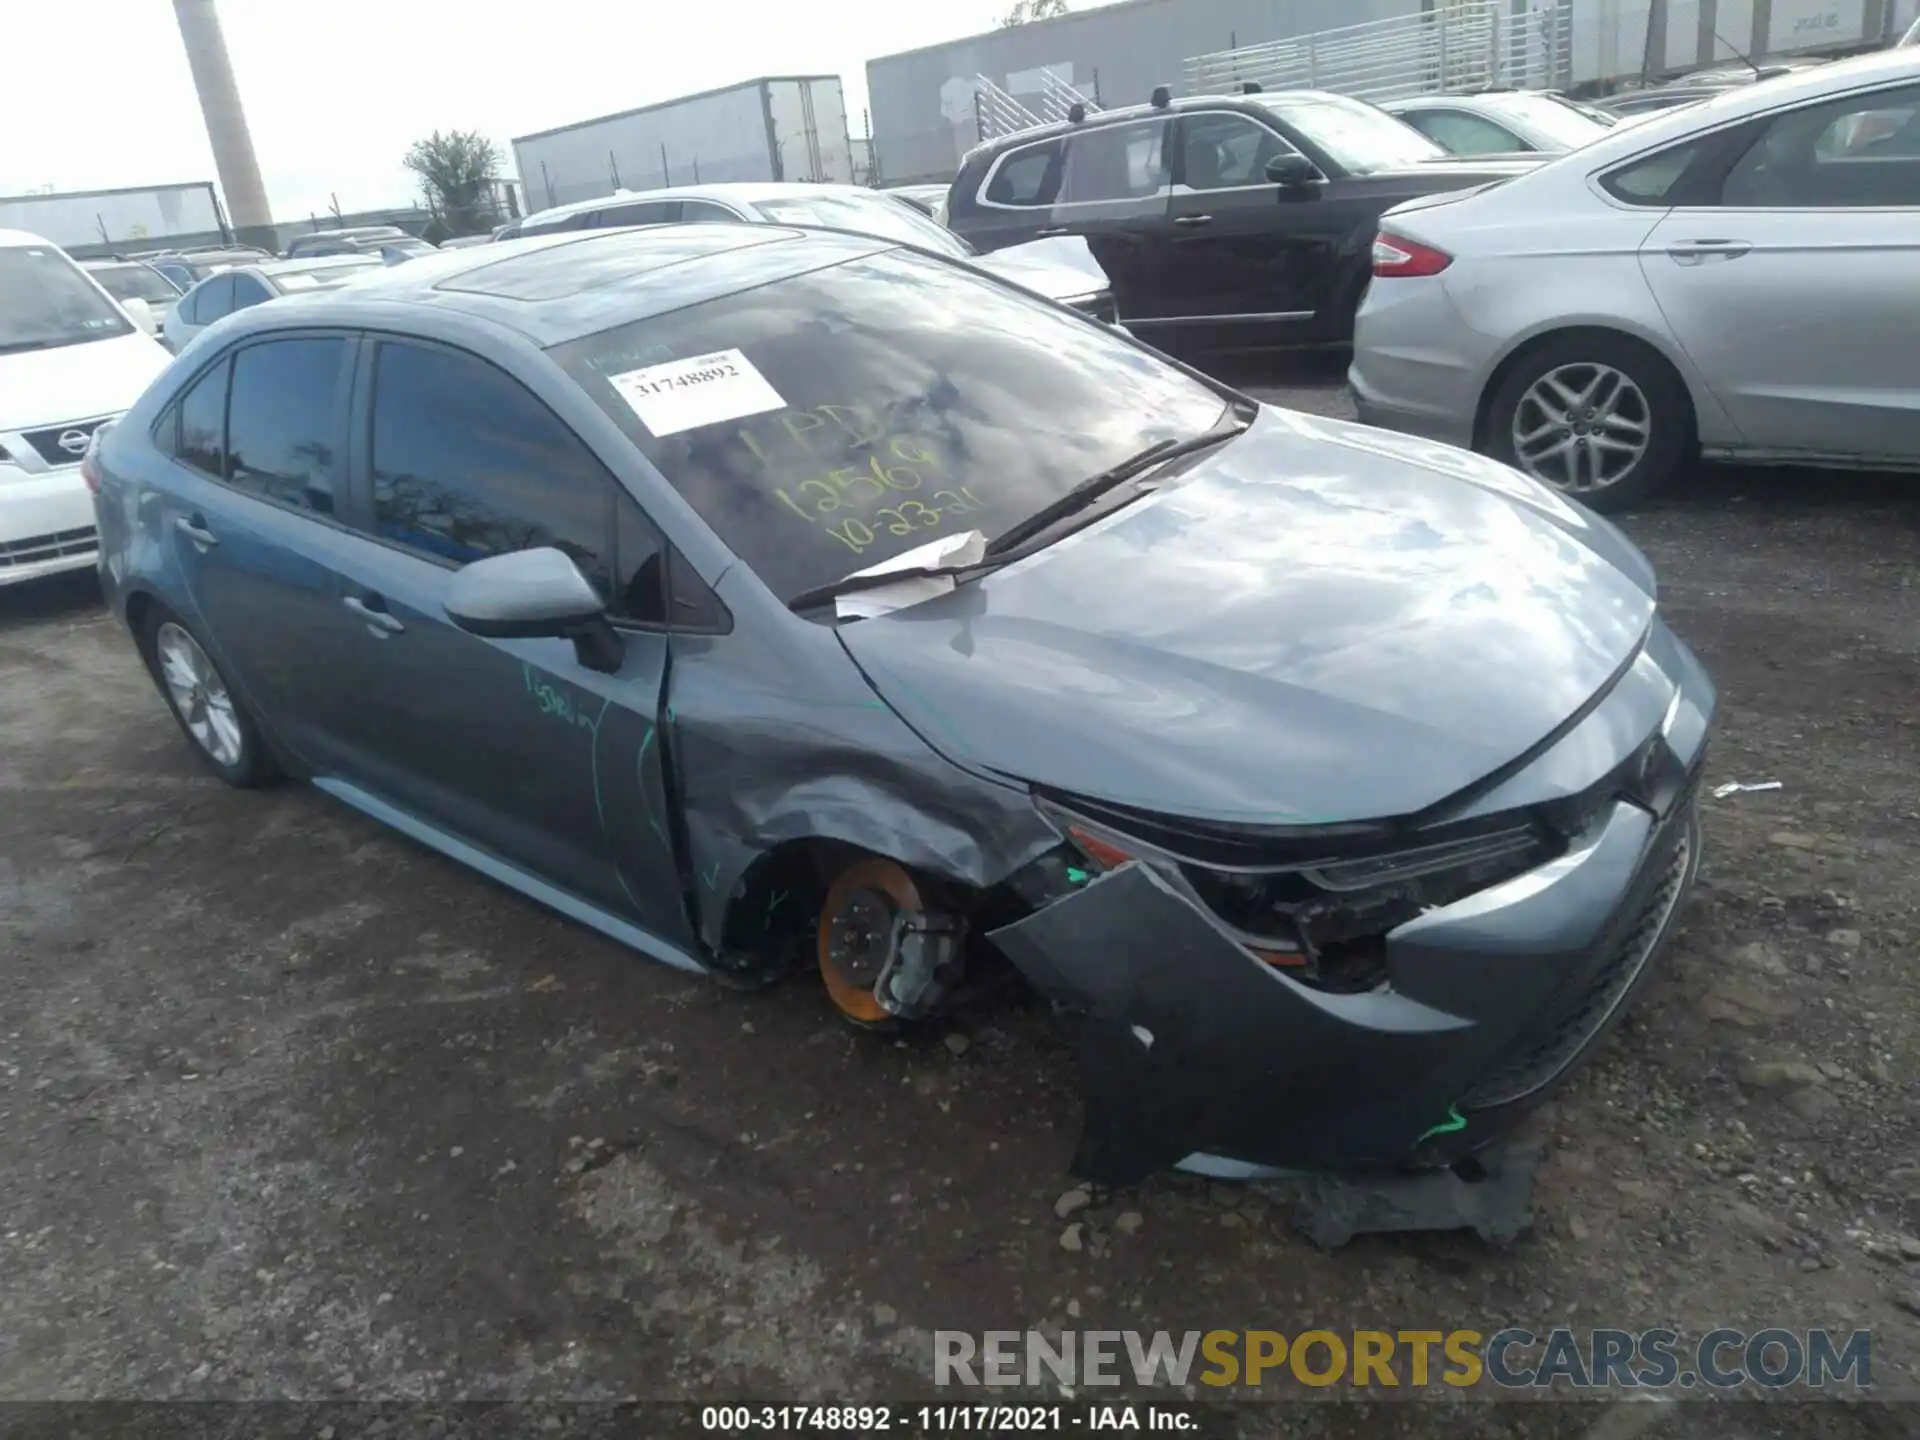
773, 600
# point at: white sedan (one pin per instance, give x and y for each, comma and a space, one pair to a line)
246, 285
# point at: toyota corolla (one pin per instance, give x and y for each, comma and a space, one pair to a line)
773, 600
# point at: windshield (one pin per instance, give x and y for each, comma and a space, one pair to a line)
830, 421
875, 215
1356, 136
1561, 124
323, 277
135, 282
46, 302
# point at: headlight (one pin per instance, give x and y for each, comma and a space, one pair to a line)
1318, 901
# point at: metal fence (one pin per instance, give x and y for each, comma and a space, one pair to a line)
996, 112
1465, 45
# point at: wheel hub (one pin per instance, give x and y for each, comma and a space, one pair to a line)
862, 940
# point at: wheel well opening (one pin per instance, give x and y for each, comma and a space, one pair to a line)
1484, 412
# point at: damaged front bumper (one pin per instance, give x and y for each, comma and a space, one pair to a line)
1196, 1054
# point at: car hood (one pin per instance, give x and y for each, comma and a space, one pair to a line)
1319, 623
1060, 268
77, 382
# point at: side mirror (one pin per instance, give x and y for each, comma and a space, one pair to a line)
532, 594
141, 313
1291, 172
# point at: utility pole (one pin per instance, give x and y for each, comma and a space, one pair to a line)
226, 122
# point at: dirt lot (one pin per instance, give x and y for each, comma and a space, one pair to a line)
291, 1107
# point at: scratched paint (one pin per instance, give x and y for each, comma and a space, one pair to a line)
558, 704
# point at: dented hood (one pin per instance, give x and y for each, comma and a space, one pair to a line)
1320, 622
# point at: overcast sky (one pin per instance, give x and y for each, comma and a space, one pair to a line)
100, 95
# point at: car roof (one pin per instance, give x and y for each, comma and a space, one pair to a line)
556, 288
23, 237
739, 192
1740, 102
1250, 102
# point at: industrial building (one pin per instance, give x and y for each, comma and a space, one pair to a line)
783, 127
930, 105
103, 222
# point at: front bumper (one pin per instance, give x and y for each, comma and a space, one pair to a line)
46, 524
1194, 1053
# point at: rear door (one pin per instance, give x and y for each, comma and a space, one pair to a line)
256, 445
1793, 288
1113, 195
510, 745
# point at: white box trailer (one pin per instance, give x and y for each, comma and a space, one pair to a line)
781, 127
102, 222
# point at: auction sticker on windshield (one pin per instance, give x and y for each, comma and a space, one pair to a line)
704, 390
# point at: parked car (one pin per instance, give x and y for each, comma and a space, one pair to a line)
1502, 122
1698, 85
1737, 279
462, 242
1225, 222
236, 289
1338, 789
1060, 270
187, 268
347, 240
130, 281
70, 362
929, 200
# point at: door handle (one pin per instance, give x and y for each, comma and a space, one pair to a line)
1193, 219
1694, 252
195, 529
379, 623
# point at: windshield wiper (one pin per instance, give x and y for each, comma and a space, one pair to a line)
1089, 490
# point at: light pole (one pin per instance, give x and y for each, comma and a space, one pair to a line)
226, 122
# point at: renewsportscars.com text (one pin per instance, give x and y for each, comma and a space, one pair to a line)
1511, 1358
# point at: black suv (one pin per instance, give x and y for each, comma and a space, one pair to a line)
1238, 222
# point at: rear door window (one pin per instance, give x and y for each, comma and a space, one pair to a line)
197, 433
248, 291
282, 420
1115, 162
1862, 151
212, 300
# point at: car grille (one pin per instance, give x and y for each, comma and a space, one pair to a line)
35, 548
1521, 1074
1100, 307
47, 441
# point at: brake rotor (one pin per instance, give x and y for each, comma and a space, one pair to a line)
857, 929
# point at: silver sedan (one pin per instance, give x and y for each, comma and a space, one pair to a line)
1740, 279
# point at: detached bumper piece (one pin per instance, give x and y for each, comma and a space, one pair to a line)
1195, 1053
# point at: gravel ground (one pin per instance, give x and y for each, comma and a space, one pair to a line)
292, 1108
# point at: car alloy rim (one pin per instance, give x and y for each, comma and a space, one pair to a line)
1582, 427
199, 694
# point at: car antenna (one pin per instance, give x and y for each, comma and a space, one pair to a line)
1739, 55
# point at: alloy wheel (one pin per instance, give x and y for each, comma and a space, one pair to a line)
199, 694
1582, 427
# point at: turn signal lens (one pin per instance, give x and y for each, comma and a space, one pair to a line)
1396, 257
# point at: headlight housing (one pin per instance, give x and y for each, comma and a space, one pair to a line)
1316, 901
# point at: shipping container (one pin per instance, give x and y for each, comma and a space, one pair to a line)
929, 106
783, 127
106, 222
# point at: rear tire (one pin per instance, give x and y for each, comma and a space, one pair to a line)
217, 725
1600, 417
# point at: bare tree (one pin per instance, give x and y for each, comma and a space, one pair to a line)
457, 173
1025, 10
